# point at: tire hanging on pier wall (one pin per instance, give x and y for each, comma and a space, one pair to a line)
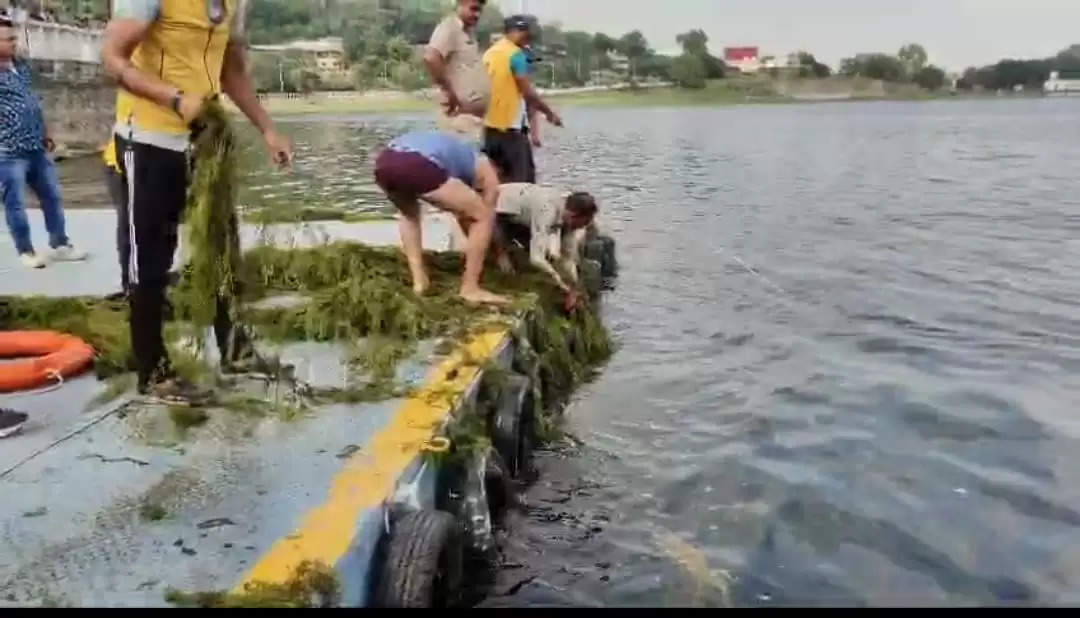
512, 424
422, 566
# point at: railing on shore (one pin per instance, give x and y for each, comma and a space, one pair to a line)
618, 86
43, 40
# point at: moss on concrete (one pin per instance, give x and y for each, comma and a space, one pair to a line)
152, 511
312, 584
185, 417
115, 387
379, 355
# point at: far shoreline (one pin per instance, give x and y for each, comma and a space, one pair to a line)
721, 93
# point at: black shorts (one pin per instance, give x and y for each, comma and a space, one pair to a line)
407, 174
512, 155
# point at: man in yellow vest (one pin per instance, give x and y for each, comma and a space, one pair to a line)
169, 57
506, 140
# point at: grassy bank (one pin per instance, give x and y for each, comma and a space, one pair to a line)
715, 93
731, 91
739, 90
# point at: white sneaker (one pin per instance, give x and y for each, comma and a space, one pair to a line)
68, 253
31, 260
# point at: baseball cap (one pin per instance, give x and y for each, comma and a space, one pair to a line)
520, 22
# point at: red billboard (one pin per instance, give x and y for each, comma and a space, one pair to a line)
740, 54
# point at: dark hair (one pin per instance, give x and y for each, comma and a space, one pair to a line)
582, 203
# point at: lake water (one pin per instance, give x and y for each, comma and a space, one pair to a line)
849, 362
848, 374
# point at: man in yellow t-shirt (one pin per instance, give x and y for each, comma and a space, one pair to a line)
506, 140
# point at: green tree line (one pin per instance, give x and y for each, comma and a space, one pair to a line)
380, 39
380, 36
1009, 73
910, 64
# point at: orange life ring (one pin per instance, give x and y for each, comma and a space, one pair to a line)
47, 354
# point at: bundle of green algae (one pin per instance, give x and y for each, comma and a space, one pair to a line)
311, 585
212, 226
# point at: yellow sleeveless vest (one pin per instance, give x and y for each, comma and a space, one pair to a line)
505, 106
183, 48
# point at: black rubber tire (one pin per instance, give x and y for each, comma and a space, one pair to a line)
512, 429
423, 562
498, 485
609, 265
591, 276
594, 250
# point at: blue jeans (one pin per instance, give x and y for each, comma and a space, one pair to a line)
37, 170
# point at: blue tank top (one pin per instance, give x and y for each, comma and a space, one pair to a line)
456, 157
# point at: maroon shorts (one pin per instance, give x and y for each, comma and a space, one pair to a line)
407, 174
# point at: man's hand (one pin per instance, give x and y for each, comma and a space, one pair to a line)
191, 106
534, 138
554, 118
50, 145
280, 148
452, 103
573, 300
473, 108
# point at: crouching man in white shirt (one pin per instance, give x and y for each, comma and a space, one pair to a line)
550, 223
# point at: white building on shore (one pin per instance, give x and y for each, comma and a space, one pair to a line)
1062, 83
328, 52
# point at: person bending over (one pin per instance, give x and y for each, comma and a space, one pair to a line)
449, 174
550, 223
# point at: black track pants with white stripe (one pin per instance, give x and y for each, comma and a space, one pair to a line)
155, 190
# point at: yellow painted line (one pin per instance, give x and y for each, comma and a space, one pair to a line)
370, 475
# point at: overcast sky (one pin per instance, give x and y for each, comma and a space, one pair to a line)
956, 33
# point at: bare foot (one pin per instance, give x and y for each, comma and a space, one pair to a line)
482, 296
421, 287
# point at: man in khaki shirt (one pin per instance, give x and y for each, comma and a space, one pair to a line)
550, 223
456, 66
